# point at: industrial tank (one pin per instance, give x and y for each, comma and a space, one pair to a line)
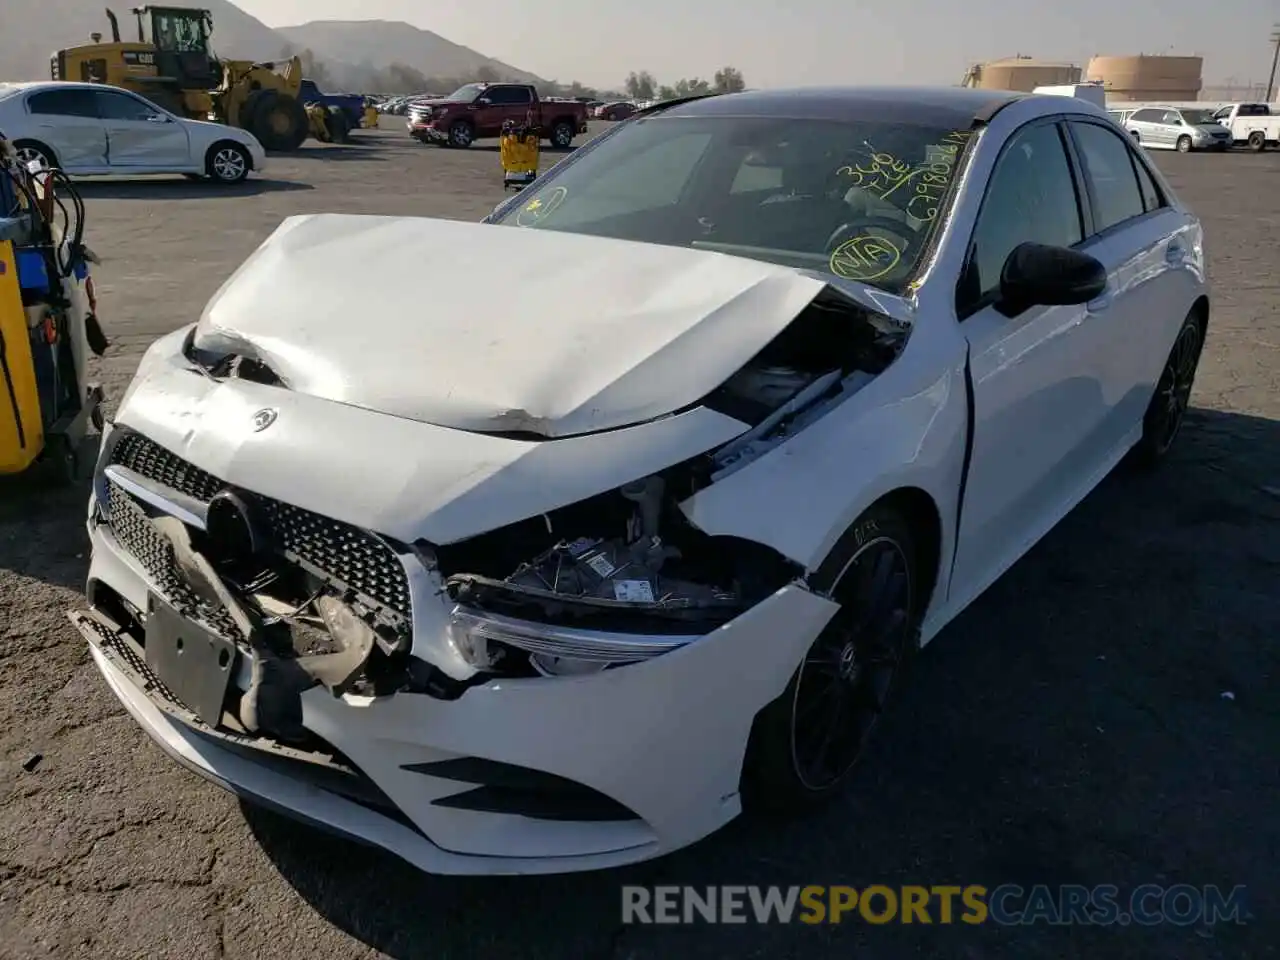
1022, 74
1148, 78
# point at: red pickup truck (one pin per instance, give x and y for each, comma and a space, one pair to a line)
478, 110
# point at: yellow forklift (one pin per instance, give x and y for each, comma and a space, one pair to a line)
48, 322
172, 65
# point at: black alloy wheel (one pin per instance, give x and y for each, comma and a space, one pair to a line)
806, 742
1168, 407
844, 682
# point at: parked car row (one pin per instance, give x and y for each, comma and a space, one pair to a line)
1182, 128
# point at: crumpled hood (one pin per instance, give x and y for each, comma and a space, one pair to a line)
497, 329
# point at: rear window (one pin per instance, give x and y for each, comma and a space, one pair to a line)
860, 200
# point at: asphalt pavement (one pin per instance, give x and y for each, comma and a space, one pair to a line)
1105, 714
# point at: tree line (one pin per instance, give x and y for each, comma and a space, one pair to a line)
641, 85
402, 78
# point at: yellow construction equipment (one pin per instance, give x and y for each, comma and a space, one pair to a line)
171, 64
48, 322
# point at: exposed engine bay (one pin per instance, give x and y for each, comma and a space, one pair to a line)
625, 562
628, 559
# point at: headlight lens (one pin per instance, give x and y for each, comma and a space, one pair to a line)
555, 649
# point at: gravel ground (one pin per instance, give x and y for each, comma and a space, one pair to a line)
1104, 714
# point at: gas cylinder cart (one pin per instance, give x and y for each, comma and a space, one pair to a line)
519, 150
48, 322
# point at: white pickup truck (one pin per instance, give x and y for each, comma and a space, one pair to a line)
1255, 124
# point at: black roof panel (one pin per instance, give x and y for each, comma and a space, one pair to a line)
955, 107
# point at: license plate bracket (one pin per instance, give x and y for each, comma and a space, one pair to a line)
194, 663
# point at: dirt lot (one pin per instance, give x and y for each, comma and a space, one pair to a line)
1104, 714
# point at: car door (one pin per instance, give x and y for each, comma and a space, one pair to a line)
1176, 126
66, 121
1144, 125
1146, 246
1036, 376
141, 136
511, 103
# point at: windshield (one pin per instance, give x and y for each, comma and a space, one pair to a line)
860, 200
467, 92
1198, 116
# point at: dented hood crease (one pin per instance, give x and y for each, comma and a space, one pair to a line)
492, 329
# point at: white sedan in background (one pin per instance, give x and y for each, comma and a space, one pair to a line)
94, 130
574, 589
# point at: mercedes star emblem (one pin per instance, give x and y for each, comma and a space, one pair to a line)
263, 419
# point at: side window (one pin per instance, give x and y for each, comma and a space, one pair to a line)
63, 103
1173, 118
1152, 197
1109, 167
1147, 116
118, 106
507, 96
1031, 197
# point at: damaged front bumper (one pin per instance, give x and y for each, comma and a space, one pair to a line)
536, 774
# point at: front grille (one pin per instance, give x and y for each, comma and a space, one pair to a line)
156, 463
135, 532
345, 554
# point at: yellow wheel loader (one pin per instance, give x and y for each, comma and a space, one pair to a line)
171, 64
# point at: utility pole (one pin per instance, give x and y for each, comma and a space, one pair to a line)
1272, 94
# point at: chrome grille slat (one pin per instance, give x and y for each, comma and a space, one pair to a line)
355, 558
135, 532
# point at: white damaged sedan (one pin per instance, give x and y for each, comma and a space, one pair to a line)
623, 516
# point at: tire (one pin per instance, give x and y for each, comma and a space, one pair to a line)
279, 121
338, 126
562, 134
1184, 144
1257, 141
64, 466
852, 656
227, 163
461, 134
1168, 407
30, 150
244, 120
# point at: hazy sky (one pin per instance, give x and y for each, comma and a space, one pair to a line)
816, 41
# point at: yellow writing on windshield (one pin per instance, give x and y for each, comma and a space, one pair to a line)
541, 207
884, 174
864, 258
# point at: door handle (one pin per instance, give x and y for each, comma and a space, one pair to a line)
1101, 303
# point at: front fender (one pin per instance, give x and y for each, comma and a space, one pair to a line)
907, 428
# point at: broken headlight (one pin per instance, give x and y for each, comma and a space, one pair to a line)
481, 639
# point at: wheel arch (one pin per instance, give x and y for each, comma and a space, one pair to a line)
1200, 309
922, 515
227, 142
36, 142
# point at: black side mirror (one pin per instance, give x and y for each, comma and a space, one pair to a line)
1039, 275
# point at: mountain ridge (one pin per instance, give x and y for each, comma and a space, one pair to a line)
50, 25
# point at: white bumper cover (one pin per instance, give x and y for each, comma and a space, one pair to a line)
665, 738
